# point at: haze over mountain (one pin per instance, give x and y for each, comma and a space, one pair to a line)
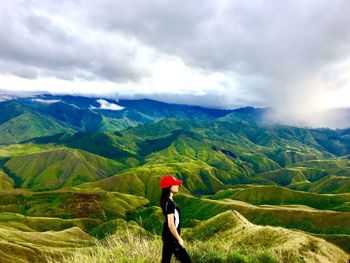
331, 118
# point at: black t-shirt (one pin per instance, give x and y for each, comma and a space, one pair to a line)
170, 207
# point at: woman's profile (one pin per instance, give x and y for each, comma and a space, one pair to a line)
172, 242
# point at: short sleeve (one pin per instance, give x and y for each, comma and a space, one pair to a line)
169, 208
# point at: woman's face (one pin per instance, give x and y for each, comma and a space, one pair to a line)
174, 188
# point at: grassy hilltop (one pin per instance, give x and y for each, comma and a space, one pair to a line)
226, 237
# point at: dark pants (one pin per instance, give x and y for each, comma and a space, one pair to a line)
173, 247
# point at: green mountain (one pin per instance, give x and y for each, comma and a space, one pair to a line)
10, 110
58, 168
6, 182
68, 162
30, 246
331, 184
290, 216
275, 195
104, 144
78, 119
19, 124
292, 246
172, 144
67, 204
334, 166
293, 176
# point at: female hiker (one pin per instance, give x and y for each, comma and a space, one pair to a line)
172, 242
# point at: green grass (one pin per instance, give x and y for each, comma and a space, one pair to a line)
340, 240
118, 227
331, 184
40, 224
58, 168
29, 125
70, 204
150, 218
339, 166
238, 241
144, 180
297, 217
6, 182
276, 195
30, 246
237, 231
104, 144
25, 148
288, 176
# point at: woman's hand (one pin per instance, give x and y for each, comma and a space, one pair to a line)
181, 242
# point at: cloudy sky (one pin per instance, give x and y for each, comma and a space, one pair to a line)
292, 55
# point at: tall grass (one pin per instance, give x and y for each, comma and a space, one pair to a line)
129, 247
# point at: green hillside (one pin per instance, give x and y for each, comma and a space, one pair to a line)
240, 138
46, 223
289, 176
226, 237
28, 246
70, 204
312, 179
289, 246
333, 166
108, 145
111, 124
58, 168
331, 184
10, 110
176, 140
198, 177
74, 117
29, 125
289, 216
275, 195
6, 182
24, 148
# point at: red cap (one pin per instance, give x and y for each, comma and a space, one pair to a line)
169, 180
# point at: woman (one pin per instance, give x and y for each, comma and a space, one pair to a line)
172, 242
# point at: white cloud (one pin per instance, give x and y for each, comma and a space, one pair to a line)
45, 101
105, 105
4, 97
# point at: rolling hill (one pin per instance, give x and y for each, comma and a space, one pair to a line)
58, 168
6, 182
69, 162
331, 184
69, 204
18, 124
289, 245
30, 246
275, 195
226, 237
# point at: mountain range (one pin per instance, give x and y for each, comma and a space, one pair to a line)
87, 162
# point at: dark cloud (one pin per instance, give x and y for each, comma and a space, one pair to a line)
259, 38
45, 47
280, 53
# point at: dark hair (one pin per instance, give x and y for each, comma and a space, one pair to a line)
164, 197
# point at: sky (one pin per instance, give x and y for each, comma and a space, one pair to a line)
293, 56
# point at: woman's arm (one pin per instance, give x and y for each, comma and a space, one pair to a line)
173, 229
